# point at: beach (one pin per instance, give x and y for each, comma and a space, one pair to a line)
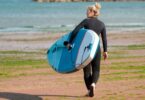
26, 75
28, 29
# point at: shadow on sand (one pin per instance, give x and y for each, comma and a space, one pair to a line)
18, 96
69, 96
21, 96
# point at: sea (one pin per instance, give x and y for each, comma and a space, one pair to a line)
26, 16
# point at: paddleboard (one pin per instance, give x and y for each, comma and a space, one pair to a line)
84, 48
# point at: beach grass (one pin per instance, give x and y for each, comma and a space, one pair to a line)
129, 47
16, 63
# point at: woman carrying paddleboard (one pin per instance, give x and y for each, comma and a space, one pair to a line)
92, 70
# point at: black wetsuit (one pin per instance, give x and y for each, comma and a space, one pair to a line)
92, 70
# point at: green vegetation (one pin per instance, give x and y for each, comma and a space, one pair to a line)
124, 64
136, 47
16, 63
129, 47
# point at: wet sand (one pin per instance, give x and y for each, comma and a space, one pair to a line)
44, 40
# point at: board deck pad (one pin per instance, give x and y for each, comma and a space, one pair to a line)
84, 48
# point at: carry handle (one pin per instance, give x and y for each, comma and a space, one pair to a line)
56, 47
89, 46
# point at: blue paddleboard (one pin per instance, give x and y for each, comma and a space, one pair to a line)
83, 50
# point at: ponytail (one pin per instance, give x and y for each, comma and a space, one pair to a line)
96, 8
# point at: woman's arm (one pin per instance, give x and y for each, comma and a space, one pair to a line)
104, 40
76, 30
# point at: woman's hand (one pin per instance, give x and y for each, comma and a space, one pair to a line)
105, 54
68, 45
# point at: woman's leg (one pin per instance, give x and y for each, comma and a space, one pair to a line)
96, 67
87, 76
95, 72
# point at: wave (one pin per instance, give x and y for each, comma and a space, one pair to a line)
126, 25
69, 27
47, 28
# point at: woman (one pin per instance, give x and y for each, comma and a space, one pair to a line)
92, 70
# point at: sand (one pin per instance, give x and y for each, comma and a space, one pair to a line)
44, 40
57, 86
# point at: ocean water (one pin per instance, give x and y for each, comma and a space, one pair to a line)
25, 16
